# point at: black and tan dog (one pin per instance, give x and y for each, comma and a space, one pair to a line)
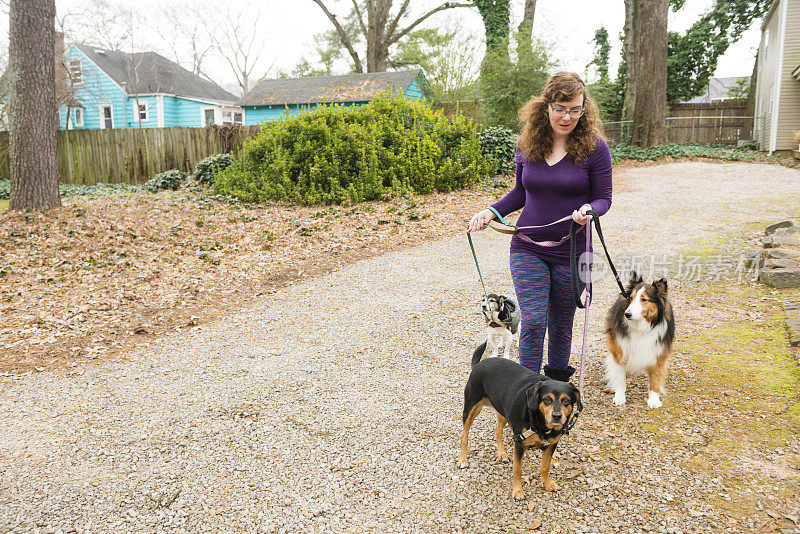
536, 407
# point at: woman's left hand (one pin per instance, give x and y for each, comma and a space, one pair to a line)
579, 215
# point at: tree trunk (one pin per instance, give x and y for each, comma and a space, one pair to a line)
32, 105
650, 106
377, 50
630, 61
496, 16
525, 28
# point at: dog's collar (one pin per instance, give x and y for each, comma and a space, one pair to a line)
530, 432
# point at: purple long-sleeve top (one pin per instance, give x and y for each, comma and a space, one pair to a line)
547, 193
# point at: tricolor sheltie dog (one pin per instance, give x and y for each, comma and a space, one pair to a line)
639, 333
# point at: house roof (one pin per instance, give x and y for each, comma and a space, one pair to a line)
717, 89
327, 89
149, 72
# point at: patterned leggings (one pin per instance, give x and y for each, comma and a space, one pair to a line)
545, 301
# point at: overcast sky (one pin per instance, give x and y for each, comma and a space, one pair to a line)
287, 27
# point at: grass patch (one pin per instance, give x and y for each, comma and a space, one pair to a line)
3, 204
741, 398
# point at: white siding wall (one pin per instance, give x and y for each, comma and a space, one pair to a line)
767, 72
789, 105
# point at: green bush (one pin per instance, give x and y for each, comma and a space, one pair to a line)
500, 143
335, 153
5, 188
205, 171
625, 151
170, 179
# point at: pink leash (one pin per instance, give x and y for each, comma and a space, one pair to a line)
588, 227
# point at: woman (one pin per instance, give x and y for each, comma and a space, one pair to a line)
563, 167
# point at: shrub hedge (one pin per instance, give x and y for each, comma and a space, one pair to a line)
335, 153
688, 150
500, 143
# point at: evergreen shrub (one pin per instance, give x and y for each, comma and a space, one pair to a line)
170, 179
334, 154
205, 171
500, 143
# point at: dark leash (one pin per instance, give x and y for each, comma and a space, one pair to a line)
573, 258
469, 236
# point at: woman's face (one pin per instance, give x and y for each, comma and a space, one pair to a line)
561, 120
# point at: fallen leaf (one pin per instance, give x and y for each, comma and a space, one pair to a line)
535, 525
530, 506
575, 474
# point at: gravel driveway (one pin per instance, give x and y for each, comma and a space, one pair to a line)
334, 405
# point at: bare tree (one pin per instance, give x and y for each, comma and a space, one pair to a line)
33, 122
380, 30
650, 105
241, 46
183, 26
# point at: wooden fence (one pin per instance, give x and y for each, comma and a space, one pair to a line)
724, 123
134, 155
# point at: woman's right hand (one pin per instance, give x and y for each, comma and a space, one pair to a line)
480, 220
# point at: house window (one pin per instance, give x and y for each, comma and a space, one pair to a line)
231, 117
77, 117
141, 111
106, 116
74, 72
208, 116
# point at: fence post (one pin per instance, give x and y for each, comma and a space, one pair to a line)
692, 128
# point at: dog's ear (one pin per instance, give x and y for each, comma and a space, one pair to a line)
635, 279
533, 395
576, 394
511, 306
661, 287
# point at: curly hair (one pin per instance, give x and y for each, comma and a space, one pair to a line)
536, 138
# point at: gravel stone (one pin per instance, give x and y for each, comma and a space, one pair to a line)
334, 405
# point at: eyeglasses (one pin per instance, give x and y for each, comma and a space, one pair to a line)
559, 111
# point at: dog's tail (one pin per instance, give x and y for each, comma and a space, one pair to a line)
478, 354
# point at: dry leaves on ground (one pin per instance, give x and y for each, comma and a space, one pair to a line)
99, 276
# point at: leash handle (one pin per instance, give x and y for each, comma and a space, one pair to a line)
517, 230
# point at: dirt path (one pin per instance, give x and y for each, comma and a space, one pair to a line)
334, 405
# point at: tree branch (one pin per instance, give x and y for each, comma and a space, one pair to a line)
396, 21
446, 5
342, 35
360, 18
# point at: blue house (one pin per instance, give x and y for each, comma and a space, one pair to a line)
269, 99
113, 89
